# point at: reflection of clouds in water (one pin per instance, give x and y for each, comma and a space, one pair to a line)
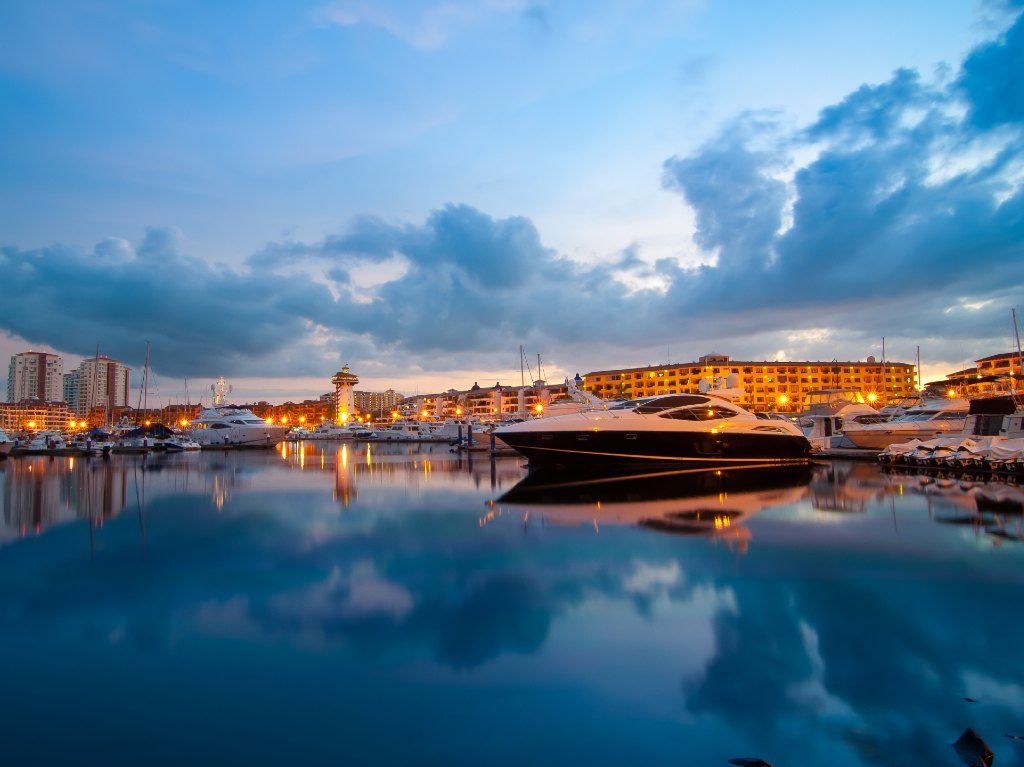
649, 579
982, 687
362, 593
881, 665
811, 693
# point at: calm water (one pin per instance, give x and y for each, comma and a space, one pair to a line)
396, 606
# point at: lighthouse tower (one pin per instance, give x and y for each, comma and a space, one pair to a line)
344, 382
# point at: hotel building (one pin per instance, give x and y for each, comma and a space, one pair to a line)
487, 404
768, 385
376, 403
35, 376
99, 382
33, 415
992, 374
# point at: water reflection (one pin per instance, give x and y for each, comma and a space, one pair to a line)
706, 502
391, 605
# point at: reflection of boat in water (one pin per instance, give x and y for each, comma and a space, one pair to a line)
685, 502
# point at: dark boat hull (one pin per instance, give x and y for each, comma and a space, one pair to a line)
676, 448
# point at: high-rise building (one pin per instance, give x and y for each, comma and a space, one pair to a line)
35, 376
99, 382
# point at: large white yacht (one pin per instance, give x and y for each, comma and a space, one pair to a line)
223, 426
930, 419
693, 430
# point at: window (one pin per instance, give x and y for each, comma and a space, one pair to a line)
702, 413
670, 401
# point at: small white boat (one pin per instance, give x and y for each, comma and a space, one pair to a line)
181, 443
935, 418
6, 444
42, 443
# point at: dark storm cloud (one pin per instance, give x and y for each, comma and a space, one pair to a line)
899, 211
199, 316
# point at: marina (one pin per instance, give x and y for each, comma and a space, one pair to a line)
512, 383
366, 584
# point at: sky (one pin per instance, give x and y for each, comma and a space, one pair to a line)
271, 190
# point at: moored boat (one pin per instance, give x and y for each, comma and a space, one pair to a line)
693, 430
226, 427
932, 419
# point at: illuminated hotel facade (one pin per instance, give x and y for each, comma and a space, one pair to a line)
485, 403
768, 385
996, 373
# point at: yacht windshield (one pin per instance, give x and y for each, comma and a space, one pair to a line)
705, 413
667, 402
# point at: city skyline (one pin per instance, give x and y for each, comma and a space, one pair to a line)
415, 190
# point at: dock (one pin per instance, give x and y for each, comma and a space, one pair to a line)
849, 453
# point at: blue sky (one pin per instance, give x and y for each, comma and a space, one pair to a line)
269, 190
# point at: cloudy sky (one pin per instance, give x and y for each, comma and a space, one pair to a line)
269, 190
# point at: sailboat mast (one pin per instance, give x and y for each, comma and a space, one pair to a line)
919, 368
522, 369
885, 385
145, 381
1016, 334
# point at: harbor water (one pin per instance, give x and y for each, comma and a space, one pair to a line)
340, 603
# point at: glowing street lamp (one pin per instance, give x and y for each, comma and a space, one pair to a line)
872, 397
539, 408
951, 393
302, 419
269, 419
783, 399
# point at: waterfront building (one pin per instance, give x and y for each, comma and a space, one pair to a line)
488, 404
768, 385
99, 382
995, 373
34, 415
376, 403
35, 376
